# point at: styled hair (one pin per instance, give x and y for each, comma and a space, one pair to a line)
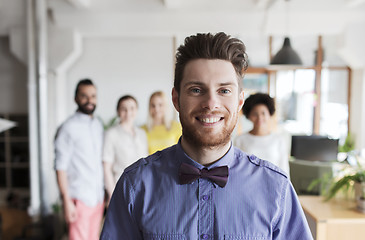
83, 82
166, 119
256, 99
208, 46
124, 98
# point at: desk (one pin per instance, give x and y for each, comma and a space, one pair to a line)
333, 220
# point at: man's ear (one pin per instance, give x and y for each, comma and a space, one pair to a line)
175, 99
240, 101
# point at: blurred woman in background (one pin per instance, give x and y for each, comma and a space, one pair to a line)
124, 143
161, 131
261, 140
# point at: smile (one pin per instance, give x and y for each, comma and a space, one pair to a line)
210, 120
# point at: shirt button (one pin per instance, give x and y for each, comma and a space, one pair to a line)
252, 157
205, 236
205, 197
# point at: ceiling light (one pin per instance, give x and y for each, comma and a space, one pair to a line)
286, 55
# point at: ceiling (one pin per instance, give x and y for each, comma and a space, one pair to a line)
247, 5
166, 17
267, 17
256, 19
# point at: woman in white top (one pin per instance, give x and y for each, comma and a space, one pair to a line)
261, 141
124, 143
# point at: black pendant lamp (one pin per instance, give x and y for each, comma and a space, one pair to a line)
286, 55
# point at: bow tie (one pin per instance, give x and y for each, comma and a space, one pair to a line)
189, 173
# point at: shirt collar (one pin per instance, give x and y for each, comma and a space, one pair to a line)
84, 116
226, 160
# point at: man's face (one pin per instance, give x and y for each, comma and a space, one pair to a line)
208, 102
86, 99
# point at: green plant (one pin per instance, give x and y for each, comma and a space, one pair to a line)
349, 144
344, 180
345, 183
110, 123
324, 182
57, 208
330, 186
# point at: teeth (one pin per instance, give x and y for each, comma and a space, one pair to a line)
210, 120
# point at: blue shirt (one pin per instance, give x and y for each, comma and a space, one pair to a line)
258, 201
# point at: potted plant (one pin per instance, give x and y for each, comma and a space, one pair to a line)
355, 180
348, 180
360, 192
349, 144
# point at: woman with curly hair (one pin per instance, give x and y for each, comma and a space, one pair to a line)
261, 140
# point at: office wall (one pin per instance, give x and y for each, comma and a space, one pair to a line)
358, 108
13, 81
123, 65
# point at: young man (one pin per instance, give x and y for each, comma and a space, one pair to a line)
79, 168
203, 187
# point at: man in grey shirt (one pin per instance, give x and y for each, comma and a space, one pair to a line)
78, 164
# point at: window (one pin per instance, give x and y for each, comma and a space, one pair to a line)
14, 158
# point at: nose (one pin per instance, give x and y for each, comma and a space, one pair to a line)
210, 101
90, 100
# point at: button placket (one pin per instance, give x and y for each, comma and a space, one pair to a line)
206, 221
205, 236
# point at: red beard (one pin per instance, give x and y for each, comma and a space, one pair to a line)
204, 137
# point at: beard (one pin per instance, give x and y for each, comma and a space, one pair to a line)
83, 108
205, 137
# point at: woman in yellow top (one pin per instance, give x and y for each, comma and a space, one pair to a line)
161, 131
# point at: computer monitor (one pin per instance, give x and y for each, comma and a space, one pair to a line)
314, 148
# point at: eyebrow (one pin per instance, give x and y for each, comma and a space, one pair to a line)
202, 84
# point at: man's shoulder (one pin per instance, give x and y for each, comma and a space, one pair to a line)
68, 123
259, 164
142, 162
156, 159
78, 118
70, 120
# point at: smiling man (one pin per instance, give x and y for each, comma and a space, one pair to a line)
78, 164
203, 187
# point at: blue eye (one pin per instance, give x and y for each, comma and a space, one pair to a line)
225, 91
195, 90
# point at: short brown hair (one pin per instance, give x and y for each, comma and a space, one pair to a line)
83, 82
209, 46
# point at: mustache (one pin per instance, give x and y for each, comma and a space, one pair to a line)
208, 112
84, 105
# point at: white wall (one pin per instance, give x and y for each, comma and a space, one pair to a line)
358, 107
123, 65
13, 81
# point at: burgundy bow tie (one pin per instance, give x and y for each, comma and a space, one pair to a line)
189, 173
